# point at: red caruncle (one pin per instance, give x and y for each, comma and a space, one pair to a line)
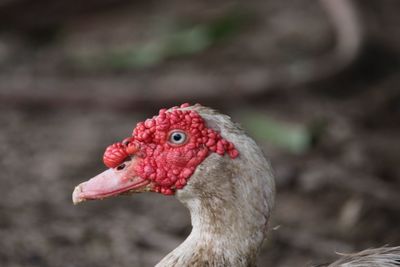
167, 148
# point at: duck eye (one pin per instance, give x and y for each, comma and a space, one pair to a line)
177, 137
121, 166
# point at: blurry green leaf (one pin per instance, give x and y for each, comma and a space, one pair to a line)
295, 138
146, 55
227, 25
180, 41
187, 41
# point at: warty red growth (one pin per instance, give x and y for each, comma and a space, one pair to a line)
160, 156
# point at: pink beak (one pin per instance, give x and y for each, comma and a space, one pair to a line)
111, 182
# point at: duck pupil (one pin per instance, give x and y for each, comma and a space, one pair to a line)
177, 137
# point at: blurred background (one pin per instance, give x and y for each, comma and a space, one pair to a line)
316, 83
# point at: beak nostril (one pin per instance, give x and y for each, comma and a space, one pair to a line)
121, 167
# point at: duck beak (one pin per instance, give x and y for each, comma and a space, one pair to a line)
111, 182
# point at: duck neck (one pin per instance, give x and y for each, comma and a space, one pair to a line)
218, 239
229, 223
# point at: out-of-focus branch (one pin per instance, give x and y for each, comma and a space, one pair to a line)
348, 31
195, 86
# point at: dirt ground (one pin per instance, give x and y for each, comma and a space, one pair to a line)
340, 194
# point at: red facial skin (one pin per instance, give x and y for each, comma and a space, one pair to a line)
165, 165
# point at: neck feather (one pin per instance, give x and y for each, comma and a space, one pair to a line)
229, 202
